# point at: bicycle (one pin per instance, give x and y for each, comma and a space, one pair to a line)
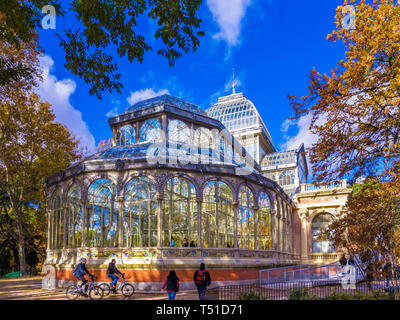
94, 292
126, 288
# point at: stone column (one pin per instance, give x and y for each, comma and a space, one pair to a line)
120, 200
64, 231
304, 249
273, 229
48, 227
137, 131
256, 211
84, 218
164, 126
199, 207
235, 206
284, 235
278, 224
160, 198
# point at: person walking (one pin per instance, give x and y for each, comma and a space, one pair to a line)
343, 261
202, 279
172, 284
387, 271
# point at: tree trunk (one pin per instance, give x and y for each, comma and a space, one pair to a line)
21, 243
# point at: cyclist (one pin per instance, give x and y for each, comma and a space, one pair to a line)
111, 271
79, 273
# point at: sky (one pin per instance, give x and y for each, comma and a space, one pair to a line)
272, 45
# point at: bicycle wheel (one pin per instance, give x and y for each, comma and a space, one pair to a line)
106, 288
72, 292
127, 290
96, 293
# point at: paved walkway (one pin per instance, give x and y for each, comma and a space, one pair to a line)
30, 288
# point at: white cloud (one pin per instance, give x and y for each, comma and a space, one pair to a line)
57, 93
116, 110
228, 85
303, 135
228, 14
112, 113
144, 94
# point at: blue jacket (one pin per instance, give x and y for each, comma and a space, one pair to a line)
81, 270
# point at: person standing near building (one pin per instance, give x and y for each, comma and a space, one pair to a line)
202, 279
343, 261
172, 284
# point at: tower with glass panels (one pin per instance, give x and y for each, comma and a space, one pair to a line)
241, 118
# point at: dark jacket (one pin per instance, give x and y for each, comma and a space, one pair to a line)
112, 269
207, 278
171, 284
81, 270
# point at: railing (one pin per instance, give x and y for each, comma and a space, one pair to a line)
324, 256
331, 271
71, 255
313, 273
325, 186
276, 274
284, 290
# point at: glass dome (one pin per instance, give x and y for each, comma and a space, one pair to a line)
166, 100
236, 113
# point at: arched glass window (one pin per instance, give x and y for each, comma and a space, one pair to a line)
286, 178
245, 232
264, 223
218, 221
140, 213
180, 213
204, 140
102, 215
126, 135
74, 217
150, 131
178, 131
56, 222
320, 223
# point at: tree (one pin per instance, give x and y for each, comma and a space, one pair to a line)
355, 110
102, 25
369, 225
33, 146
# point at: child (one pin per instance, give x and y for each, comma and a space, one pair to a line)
172, 283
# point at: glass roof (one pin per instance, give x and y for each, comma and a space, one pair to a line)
166, 100
278, 158
237, 113
174, 150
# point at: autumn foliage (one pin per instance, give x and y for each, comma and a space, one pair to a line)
355, 114
355, 110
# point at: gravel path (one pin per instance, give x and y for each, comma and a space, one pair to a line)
30, 288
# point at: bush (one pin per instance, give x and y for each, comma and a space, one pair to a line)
252, 295
301, 294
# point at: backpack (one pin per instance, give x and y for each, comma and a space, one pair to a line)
201, 277
75, 272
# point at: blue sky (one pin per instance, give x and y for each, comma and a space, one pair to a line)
272, 45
